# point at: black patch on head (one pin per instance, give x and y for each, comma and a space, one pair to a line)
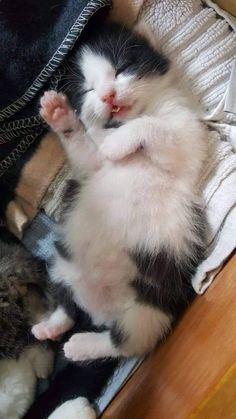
164, 280
127, 51
117, 335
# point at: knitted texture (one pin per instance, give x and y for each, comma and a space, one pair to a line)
126, 11
202, 45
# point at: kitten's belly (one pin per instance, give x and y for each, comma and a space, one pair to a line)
103, 288
117, 210
123, 204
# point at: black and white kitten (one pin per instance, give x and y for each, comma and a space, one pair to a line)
23, 302
133, 235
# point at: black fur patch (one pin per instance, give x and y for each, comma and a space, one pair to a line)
70, 193
71, 190
112, 124
164, 280
63, 296
128, 52
117, 335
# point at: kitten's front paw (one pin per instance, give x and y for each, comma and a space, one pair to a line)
120, 144
55, 110
81, 347
110, 149
53, 107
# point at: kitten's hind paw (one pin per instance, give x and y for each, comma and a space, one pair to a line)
47, 330
58, 323
90, 345
79, 346
43, 331
74, 409
56, 111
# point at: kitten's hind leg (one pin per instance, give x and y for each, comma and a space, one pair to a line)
56, 325
90, 345
56, 111
126, 337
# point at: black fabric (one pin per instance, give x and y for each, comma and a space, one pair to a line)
31, 33
35, 38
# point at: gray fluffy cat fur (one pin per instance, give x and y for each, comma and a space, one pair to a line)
23, 302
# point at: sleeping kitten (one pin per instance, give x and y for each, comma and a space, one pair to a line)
134, 233
22, 303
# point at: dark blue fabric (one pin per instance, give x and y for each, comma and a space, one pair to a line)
35, 39
32, 31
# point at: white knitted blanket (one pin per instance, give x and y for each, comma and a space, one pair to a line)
202, 43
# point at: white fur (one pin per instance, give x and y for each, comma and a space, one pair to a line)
88, 346
141, 183
74, 409
18, 380
55, 326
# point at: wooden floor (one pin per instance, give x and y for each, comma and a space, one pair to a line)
174, 381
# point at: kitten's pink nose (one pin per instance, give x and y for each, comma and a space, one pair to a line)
109, 97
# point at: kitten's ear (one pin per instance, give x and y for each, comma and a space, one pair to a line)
142, 29
119, 145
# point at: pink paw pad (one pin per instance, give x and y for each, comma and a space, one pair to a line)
54, 107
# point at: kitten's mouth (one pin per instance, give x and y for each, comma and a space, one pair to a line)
115, 109
118, 110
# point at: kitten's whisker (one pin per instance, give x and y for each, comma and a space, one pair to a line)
72, 70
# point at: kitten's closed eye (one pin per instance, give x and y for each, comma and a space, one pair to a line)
122, 68
87, 91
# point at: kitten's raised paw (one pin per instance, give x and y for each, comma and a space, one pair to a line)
53, 106
55, 110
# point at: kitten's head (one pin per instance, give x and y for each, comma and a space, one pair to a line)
115, 73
